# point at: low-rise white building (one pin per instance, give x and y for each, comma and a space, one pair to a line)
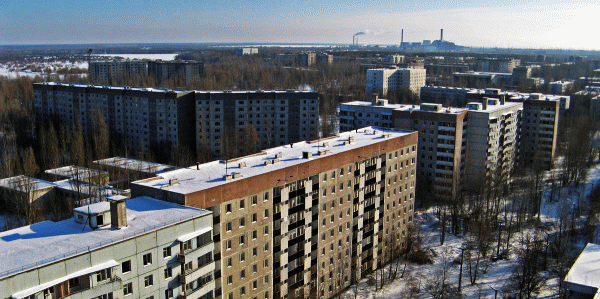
139, 248
583, 279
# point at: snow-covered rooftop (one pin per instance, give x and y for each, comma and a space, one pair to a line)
496, 107
45, 242
75, 172
586, 269
84, 188
24, 183
137, 165
403, 107
204, 176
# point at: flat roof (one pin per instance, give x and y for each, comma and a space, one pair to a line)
211, 174
73, 171
494, 108
45, 242
85, 188
402, 107
168, 90
137, 165
586, 269
18, 182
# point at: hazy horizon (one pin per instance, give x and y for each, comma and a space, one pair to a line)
504, 23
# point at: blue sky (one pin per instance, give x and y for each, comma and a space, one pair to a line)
502, 23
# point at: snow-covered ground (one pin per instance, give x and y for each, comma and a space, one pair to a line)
14, 70
498, 273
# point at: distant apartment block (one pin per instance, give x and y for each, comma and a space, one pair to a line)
148, 118
188, 71
279, 117
246, 51
441, 150
496, 65
492, 140
324, 58
306, 59
559, 87
391, 79
539, 130
301, 220
139, 248
145, 117
448, 96
480, 79
111, 72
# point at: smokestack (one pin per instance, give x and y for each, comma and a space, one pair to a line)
402, 39
118, 214
442, 35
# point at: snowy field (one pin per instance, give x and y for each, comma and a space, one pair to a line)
13, 70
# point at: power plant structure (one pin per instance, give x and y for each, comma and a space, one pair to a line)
355, 39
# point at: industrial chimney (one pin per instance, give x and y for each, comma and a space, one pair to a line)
402, 39
442, 35
118, 214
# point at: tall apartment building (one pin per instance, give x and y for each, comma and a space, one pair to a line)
301, 218
539, 130
492, 140
139, 248
145, 117
279, 117
149, 117
190, 71
111, 72
387, 79
442, 141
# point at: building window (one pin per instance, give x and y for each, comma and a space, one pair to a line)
169, 293
166, 252
168, 272
242, 239
254, 199
126, 267
103, 275
242, 222
229, 262
187, 245
230, 281
128, 289
243, 274
266, 230
242, 257
254, 217
242, 204
228, 208
147, 259
228, 244
228, 226
266, 213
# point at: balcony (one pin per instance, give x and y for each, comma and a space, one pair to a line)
110, 285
